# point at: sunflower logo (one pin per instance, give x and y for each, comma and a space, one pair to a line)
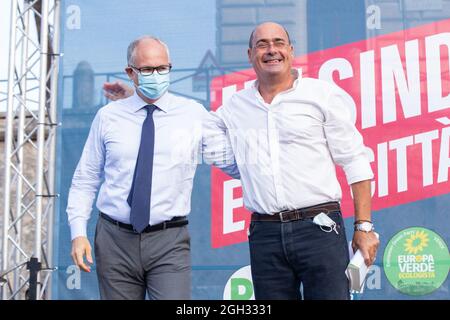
416, 242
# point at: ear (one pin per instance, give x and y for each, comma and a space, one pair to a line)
249, 53
129, 71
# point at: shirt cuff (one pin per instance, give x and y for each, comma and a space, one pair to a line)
358, 170
78, 228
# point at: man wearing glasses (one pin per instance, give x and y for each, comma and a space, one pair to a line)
303, 128
296, 236
142, 152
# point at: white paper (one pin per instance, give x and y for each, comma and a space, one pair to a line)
357, 269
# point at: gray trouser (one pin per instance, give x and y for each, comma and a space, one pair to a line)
131, 264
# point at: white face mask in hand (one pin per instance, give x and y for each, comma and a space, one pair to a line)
325, 223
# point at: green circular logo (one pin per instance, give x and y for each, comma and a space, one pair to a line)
416, 261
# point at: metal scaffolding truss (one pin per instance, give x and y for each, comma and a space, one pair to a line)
29, 190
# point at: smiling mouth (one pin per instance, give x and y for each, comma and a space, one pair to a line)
272, 61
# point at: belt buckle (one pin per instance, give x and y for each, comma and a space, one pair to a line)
281, 216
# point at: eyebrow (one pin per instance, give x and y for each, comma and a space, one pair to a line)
153, 67
273, 39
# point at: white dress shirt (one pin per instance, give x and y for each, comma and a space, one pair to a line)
109, 158
286, 150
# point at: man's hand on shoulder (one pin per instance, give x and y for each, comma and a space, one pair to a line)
117, 90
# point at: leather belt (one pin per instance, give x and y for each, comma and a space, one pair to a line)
298, 214
175, 222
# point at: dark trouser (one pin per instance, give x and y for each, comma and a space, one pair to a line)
286, 254
131, 264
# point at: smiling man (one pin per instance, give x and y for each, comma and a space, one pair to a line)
294, 130
287, 134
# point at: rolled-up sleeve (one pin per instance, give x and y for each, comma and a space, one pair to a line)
86, 179
344, 141
216, 145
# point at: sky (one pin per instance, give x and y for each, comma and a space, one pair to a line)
99, 32
106, 27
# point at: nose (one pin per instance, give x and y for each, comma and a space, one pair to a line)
271, 49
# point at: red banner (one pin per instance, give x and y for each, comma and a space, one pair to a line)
400, 87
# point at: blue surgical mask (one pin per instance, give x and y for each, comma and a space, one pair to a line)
154, 85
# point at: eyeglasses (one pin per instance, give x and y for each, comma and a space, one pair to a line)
264, 44
146, 71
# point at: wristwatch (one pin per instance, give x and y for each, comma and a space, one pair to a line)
364, 226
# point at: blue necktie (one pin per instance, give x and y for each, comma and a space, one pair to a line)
141, 188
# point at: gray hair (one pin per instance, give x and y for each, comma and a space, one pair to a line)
132, 46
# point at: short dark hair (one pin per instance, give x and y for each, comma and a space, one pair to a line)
250, 41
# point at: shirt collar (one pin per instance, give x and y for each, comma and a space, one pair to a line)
163, 103
297, 77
